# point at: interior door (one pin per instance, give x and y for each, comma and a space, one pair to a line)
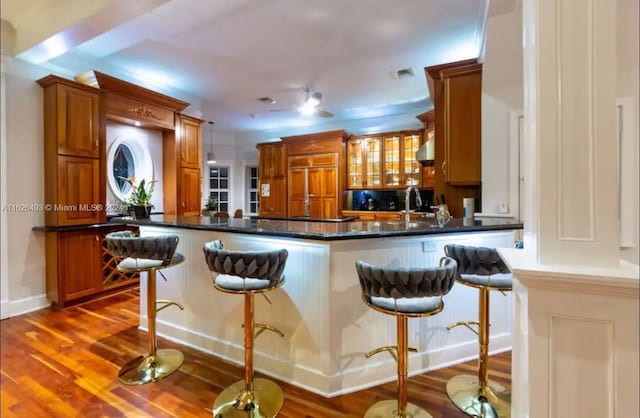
297, 192
314, 187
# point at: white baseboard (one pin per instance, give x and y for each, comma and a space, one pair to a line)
349, 380
11, 308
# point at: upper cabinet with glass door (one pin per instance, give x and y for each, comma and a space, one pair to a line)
384, 161
364, 162
411, 168
400, 167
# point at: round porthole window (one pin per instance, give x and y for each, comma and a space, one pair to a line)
127, 158
123, 168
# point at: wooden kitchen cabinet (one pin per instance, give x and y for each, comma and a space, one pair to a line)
272, 160
190, 191
74, 153
79, 188
456, 89
190, 142
315, 185
379, 216
364, 162
462, 119
79, 267
272, 173
411, 169
77, 119
400, 167
384, 161
323, 192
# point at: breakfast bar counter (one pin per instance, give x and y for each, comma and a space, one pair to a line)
326, 230
327, 327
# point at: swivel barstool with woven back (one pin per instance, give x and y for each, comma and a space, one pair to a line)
247, 273
150, 254
404, 293
481, 268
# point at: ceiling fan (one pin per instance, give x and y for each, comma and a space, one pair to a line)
310, 105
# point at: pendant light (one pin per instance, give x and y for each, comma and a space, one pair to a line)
211, 156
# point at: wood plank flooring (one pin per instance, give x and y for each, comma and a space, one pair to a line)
64, 363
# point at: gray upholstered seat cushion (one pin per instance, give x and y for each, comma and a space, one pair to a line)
408, 305
261, 269
156, 247
498, 280
139, 264
226, 281
409, 290
480, 266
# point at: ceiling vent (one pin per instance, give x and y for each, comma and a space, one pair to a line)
402, 73
266, 100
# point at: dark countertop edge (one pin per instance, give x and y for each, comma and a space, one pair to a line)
304, 219
71, 228
315, 236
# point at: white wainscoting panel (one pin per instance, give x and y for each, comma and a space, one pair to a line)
327, 327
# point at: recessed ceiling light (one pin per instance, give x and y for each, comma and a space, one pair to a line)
266, 100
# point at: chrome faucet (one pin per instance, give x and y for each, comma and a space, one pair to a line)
407, 205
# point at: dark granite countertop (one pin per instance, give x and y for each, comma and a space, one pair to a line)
71, 228
324, 231
309, 219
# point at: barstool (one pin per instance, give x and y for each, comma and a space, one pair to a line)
247, 273
404, 293
483, 269
148, 254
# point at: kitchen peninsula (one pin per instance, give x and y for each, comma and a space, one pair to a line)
327, 327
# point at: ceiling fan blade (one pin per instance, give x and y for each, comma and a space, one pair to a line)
280, 110
323, 113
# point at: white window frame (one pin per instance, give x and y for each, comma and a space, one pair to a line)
229, 189
247, 189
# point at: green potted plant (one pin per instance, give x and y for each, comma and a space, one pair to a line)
210, 206
140, 197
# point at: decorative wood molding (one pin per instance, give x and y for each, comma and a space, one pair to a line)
109, 83
435, 72
54, 79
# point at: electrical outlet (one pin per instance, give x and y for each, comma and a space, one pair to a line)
428, 247
503, 208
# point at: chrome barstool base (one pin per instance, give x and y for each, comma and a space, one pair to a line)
147, 369
236, 402
389, 409
464, 392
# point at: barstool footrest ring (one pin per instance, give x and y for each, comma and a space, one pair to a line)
392, 349
264, 327
466, 324
166, 304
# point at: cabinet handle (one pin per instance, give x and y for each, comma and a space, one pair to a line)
95, 143
444, 167
97, 238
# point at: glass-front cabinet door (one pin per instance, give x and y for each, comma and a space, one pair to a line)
391, 170
355, 179
373, 163
411, 167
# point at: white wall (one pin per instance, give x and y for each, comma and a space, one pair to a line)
502, 96
25, 185
150, 140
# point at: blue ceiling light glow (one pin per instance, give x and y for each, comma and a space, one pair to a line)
51, 47
154, 78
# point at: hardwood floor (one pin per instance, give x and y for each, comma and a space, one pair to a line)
64, 363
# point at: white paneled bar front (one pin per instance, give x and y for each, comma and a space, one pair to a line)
319, 308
